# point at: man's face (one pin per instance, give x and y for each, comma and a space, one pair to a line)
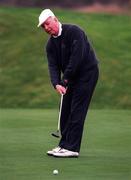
51, 26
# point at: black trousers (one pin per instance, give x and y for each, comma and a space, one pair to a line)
74, 109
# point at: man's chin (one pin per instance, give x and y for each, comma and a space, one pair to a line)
52, 34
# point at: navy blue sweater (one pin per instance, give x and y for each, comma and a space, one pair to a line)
70, 54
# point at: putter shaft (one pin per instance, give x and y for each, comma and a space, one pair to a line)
57, 133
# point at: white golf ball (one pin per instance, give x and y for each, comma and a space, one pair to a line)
55, 172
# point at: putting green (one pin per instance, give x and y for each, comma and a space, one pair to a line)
25, 138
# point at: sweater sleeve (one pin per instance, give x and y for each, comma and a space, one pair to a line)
53, 66
77, 49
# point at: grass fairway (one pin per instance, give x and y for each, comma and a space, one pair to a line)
25, 137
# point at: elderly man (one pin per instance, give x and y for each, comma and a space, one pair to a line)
74, 72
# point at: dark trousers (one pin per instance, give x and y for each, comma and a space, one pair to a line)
74, 109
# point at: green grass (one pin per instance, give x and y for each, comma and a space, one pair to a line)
25, 138
24, 80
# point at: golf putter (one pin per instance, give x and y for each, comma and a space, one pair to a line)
57, 134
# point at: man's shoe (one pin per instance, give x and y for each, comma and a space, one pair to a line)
55, 150
65, 153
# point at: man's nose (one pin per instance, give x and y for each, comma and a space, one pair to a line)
46, 27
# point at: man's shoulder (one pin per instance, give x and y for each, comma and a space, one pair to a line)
49, 43
70, 27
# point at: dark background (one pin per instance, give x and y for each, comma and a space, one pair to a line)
63, 3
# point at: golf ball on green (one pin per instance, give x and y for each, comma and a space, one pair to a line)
55, 172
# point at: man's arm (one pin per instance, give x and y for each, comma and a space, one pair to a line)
54, 70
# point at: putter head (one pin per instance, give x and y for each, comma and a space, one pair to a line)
56, 134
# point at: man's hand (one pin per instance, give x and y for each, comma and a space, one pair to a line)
60, 89
64, 82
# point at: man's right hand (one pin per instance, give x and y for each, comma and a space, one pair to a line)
60, 89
